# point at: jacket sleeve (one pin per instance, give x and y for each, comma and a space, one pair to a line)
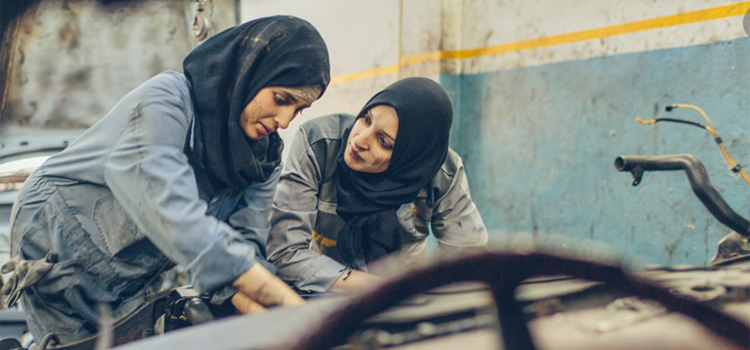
456, 222
251, 216
293, 216
250, 219
149, 174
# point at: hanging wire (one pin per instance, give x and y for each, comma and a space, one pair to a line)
710, 128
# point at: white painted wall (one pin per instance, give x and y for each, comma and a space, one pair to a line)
493, 22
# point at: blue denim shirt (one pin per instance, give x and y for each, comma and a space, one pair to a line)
122, 204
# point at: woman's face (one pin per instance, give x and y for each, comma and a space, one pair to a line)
370, 144
273, 108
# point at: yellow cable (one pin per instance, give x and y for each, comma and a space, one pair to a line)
732, 164
645, 122
712, 129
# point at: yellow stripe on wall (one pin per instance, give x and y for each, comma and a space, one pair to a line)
598, 33
738, 9
370, 73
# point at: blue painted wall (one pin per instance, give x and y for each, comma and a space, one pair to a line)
539, 145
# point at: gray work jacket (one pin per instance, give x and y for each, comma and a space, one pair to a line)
305, 226
122, 204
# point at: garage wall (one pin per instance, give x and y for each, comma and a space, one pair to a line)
551, 102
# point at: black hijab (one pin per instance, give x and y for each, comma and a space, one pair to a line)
225, 74
367, 201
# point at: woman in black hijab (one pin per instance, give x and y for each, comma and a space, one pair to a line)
181, 171
360, 188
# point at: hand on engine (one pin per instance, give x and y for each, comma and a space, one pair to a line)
257, 289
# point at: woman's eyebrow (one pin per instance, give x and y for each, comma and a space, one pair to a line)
290, 96
389, 136
369, 114
294, 100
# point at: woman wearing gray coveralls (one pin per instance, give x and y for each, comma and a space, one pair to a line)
355, 189
181, 171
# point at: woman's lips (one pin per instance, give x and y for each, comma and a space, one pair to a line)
263, 130
354, 154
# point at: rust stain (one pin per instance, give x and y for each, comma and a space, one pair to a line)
670, 248
68, 35
78, 77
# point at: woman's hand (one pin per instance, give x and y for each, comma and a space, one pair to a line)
246, 305
258, 288
354, 281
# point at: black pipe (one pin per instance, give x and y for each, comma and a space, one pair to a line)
699, 182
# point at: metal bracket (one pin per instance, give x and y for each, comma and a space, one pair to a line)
637, 173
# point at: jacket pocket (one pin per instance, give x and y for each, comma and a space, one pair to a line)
119, 232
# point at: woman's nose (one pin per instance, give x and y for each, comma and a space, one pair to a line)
361, 141
285, 118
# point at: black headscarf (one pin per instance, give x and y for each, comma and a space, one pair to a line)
367, 201
225, 74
